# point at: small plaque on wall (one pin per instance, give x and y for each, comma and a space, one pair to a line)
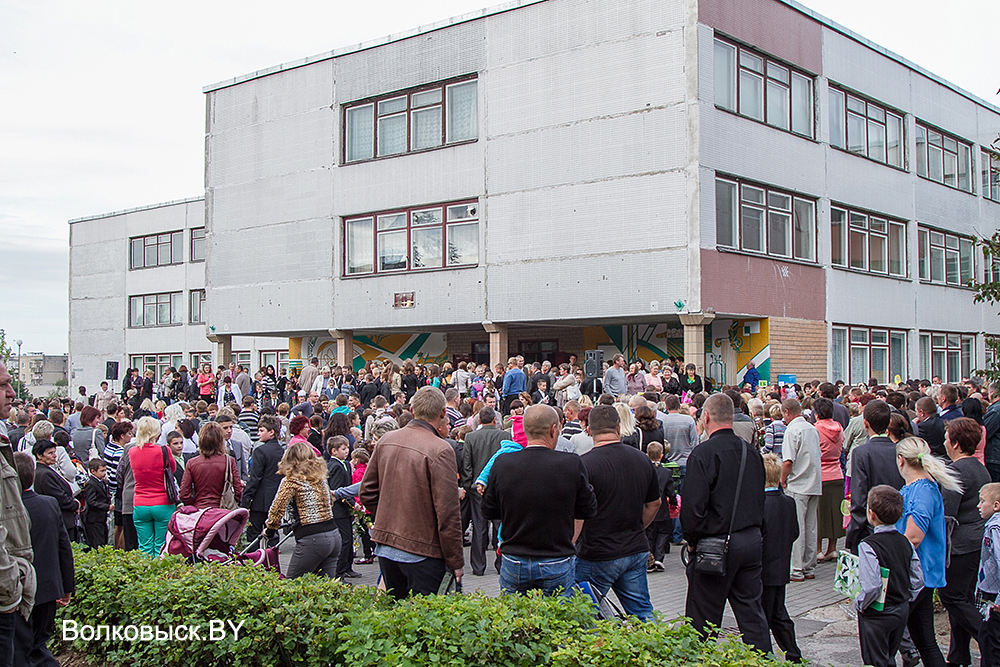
403, 300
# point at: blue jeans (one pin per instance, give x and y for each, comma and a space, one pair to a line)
627, 576
519, 574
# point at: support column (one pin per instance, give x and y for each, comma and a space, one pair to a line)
222, 349
499, 352
694, 339
345, 347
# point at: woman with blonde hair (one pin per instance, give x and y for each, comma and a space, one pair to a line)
626, 420
152, 508
304, 486
923, 524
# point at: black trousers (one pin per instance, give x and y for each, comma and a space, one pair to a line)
255, 526
782, 627
481, 529
31, 636
423, 578
959, 598
8, 626
921, 626
345, 563
989, 641
95, 533
880, 633
658, 534
465, 507
741, 586
131, 539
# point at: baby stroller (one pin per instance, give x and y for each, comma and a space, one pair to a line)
266, 557
208, 535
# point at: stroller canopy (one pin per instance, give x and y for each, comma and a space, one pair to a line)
205, 534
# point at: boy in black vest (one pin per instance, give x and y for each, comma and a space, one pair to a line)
890, 576
779, 531
96, 506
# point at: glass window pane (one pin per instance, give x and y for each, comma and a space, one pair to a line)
856, 133
954, 341
462, 212
463, 244
463, 112
135, 310
753, 195
967, 356
858, 249
954, 367
426, 98
753, 229
925, 356
934, 138
163, 312
164, 252
897, 249
859, 365
802, 105
876, 141
838, 223
837, 128
877, 253
725, 75
197, 244
855, 104
951, 267
894, 140
151, 253
392, 135
964, 168
950, 144
937, 264
426, 128
431, 216
751, 95
394, 221
859, 220
938, 340
136, 255
751, 61
965, 260
360, 246
392, 254
859, 336
177, 308
838, 354
922, 257
777, 104
725, 213
935, 157
950, 169
360, 133
777, 72
921, 151
897, 355
804, 230
876, 224
880, 364
937, 238
426, 247
395, 105
779, 201
177, 247
876, 113
149, 311
778, 234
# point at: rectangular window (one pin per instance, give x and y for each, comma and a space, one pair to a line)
867, 242
158, 363
277, 359
874, 353
989, 165
765, 220
866, 128
197, 306
156, 310
943, 158
411, 239
156, 250
950, 357
758, 87
198, 244
197, 360
414, 120
945, 258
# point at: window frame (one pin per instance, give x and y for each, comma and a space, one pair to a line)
989, 168
204, 244
409, 111
280, 360
767, 210
929, 347
767, 83
175, 319
176, 237
870, 117
850, 344
923, 157
201, 307
411, 229
925, 255
159, 362
845, 241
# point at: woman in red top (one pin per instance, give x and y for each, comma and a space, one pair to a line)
152, 509
205, 475
206, 383
831, 441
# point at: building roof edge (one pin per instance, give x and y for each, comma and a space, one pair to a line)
148, 207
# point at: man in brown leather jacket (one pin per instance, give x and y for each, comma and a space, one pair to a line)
418, 529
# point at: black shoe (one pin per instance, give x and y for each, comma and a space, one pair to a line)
480, 574
351, 574
911, 659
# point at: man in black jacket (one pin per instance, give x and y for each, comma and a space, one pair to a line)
480, 446
262, 484
53, 566
872, 464
50, 483
712, 475
930, 426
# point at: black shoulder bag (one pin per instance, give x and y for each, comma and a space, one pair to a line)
710, 552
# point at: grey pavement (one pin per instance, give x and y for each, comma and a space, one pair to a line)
825, 625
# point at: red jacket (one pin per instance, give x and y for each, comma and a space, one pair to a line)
204, 478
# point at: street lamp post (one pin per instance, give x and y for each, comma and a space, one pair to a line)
19, 376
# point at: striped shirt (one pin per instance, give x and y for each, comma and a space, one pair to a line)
249, 421
112, 455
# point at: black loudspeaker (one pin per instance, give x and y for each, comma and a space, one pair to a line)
112, 372
593, 362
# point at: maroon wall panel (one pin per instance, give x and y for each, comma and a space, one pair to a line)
746, 285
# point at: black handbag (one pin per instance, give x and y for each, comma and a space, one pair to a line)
169, 482
710, 552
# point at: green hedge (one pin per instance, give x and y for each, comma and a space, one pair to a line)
314, 621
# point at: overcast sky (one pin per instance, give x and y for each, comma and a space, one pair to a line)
101, 106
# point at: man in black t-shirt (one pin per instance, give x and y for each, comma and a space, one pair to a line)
613, 549
538, 493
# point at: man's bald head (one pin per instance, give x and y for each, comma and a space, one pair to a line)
7, 394
539, 421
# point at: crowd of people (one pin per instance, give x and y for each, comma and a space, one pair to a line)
560, 477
